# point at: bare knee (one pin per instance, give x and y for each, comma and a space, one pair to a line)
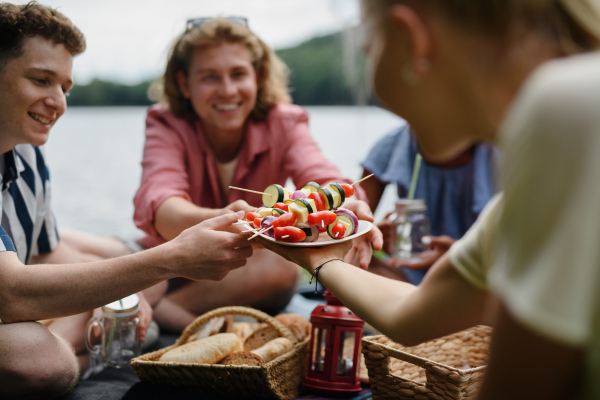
155, 293
278, 286
35, 363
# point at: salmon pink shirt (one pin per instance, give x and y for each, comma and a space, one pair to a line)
178, 161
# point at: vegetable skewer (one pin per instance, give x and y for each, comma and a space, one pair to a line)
366, 177
251, 191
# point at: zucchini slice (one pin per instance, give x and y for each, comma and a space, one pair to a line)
301, 207
273, 194
277, 212
264, 212
338, 188
327, 198
307, 203
350, 228
312, 186
344, 222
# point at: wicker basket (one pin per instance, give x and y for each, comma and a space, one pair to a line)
280, 378
448, 368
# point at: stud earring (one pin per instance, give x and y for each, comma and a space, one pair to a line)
423, 65
408, 75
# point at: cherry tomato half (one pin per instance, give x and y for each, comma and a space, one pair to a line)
338, 231
289, 234
287, 219
348, 189
282, 206
257, 222
317, 199
321, 218
251, 216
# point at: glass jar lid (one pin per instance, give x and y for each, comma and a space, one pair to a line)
411, 205
124, 307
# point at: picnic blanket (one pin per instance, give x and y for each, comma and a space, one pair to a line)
112, 384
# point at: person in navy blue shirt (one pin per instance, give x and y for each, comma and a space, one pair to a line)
455, 192
37, 47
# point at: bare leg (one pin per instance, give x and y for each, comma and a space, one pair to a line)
34, 363
155, 293
99, 245
72, 329
267, 282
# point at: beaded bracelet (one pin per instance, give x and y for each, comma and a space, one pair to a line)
316, 274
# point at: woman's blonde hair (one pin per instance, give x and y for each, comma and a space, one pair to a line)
574, 25
271, 71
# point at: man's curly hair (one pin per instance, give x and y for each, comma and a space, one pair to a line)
32, 19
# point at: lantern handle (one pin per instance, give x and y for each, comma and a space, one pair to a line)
234, 310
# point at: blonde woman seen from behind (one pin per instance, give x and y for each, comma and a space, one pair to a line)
510, 72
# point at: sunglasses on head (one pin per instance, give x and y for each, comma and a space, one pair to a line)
199, 22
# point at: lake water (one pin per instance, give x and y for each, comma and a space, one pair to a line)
94, 156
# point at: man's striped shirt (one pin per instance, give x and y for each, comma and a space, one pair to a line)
28, 225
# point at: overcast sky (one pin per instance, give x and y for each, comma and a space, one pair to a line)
127, 40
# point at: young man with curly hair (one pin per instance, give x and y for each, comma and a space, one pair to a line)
37, 46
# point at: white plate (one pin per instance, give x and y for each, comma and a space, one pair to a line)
325, 239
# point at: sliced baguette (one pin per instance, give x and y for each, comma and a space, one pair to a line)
296, 323
243, 358
209, 350
260, 337
274, 348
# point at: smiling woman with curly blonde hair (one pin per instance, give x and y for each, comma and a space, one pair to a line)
225, 119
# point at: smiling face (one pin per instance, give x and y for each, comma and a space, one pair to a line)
222, 87
32, 92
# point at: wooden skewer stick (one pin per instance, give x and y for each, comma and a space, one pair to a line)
286, 236
366, 177
260, 232
251, 191
250, 230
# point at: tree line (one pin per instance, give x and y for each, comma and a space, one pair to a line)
325, 70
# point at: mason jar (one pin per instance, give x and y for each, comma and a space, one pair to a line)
120, 332
410, 224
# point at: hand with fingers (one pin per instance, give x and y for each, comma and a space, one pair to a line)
362, 247
439, 245
307, 257
388, 232
209, 251
144, 315
239, 205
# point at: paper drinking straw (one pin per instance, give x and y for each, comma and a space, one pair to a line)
415, 177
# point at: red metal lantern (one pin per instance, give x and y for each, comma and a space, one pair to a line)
334, 349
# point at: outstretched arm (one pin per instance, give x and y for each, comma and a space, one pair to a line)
444, 303
176, 214
32, 292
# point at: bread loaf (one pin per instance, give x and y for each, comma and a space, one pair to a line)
208, 350
296, 323
212, 327
260, 338
245, 329
274, 349
243, 358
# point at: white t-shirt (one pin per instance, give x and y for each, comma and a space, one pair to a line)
538, 246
